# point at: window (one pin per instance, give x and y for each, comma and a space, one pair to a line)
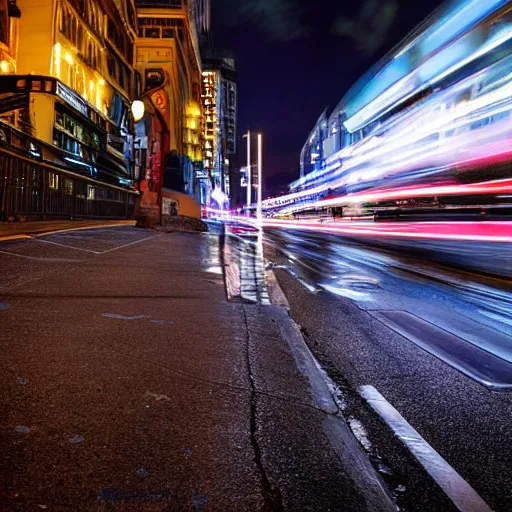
36, 177
74, 30
68, 187
122, 76
64, 20
80, 39
152, 32
92, 16
131, 14
4, 23
111, 65
499, 117
53, 180
91, 192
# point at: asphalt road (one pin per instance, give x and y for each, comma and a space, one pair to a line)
129, 382
435, 342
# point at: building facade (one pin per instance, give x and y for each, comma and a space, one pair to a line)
67, 87
434, 111
9, 27
220, 104
168, 60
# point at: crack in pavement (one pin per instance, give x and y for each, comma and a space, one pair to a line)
272, 496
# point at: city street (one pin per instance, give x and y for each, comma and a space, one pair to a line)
256, 256
130, 382
436, 343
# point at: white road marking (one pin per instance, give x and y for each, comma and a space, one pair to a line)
310, 288
13, 237
119, 224
64, 245
157, 397
131, 243
340, 437
455, 487
37, 258
123, 317
70, 260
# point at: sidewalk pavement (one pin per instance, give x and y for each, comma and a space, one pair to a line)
14, 230
129, 382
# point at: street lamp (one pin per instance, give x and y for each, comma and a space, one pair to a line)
260, 151
249, 185
138, 109
140, 145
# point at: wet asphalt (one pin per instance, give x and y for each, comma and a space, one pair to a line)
129, 382
340, 293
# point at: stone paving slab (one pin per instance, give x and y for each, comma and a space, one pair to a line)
129, 382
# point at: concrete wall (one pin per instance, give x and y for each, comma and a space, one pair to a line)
187, 205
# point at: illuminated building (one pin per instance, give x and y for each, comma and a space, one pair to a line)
168, 60
9, 27
220, 110
312, 154
249, 179
428, 119
67, 96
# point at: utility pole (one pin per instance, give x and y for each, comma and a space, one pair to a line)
260, 181
249, 184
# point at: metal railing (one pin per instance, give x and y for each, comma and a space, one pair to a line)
30, 189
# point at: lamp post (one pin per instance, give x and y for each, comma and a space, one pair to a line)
138, 110
249, 185
258, 205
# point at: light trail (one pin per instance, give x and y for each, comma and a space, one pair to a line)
485, 188
484, 231
481, 231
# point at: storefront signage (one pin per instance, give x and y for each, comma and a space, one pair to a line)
72, 98
160, 100
201, 174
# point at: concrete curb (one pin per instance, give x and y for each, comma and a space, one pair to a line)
275, 292
342, 440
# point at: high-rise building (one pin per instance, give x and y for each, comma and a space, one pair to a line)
67, 86
220, 110
248, 194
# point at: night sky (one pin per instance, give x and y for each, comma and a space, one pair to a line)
296, 57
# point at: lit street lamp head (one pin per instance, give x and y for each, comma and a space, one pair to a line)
138, 109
